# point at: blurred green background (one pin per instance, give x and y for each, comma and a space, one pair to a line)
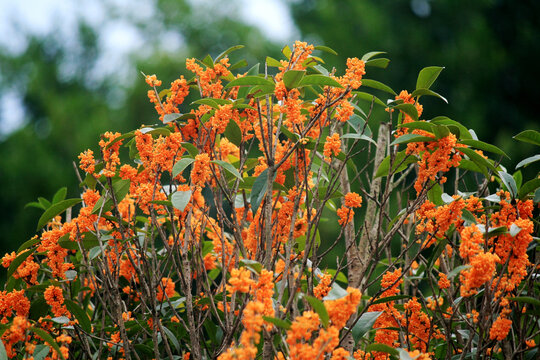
65, 81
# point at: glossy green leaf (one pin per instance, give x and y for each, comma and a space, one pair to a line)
181, 165
364, 324
408, 109
381, 348
319, 308
404, 354
261, 90
55, 210
206, 101
44, 202
529, 136
171, 117
120, 138
421, 125
371, 54
40, 352
81, 315
325, 49
292, 78
29, 243
435, 194
390, 298
249, 81
528, 188
227, 52
526, 300
401, 161
477, 144
455, 271
60, 195
509, 182
336, 292
233, 133
240, 64
359, 137
252, 264
379, 63
527, 161
319, 80
180, 199
171, 337
229, 167
282, 324
48, 339
369, 98
443, 120
374, 84
35, 204
440, 131
514, 230
420, 92
259, 190
272, 62
163, 131
408, 138
468, 217
427, 77
3, 353
479, 160
286, 51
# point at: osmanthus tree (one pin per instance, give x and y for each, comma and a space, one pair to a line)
199, 237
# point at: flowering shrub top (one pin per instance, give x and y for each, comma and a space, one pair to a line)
199, 237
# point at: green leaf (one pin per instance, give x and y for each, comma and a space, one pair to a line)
408, 138
427, 77
421, 125
468, 216
40, 352
240, 64
171, 117
477, 144
191, 149
401, 161
319, 308
528, 188
163, 131
60, 195
172, 338
369, 98
286, 51
514, 230
291, 78
120, 138
181, 165
435, 194
56, 209
28, 244
206, 101
229, 167
272, 62
180, 199
35, 204
259, 190
359, 137
443, 120
319, 80
404, 354
282, 324
227, 52
527, 161
325, 49
48, 339
381, 348
44, 202
364, 324
252, 264
509, 182
536, 198
390, 298
249, 80
371, 54
3, 353
379, 63
420, 92
261, 90
408, 109
18, 261
529, 136
440, 131
233, 133
374, 84
526, 299
479, 160
81, 315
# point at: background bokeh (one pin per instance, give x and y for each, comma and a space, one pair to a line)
70, 70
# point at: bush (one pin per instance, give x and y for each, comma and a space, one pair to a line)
201, 238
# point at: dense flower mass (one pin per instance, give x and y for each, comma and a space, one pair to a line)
262, 219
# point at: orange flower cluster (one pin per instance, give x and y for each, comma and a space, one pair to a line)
27, 270
323, 287
210, 78
345, 213
55, 298
201, 173
340, 310
165, 290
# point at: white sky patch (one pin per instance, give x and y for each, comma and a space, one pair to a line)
118, 37
272, 17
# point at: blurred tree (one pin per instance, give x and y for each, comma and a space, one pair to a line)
488, 48
67, 106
